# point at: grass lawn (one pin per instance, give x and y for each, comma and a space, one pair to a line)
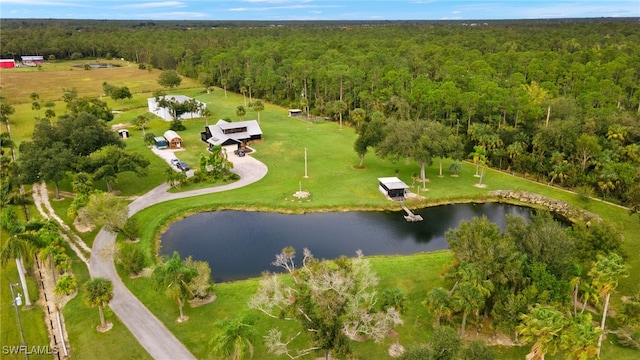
86, 341
334, 184
35, 331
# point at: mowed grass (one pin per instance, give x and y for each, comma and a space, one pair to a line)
81, 322
334, 183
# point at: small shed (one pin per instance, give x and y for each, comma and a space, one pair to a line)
295, 112
7, 63
161, 142
392, 187
173, 139
124, 133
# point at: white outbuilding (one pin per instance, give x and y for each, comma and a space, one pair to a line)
165, 112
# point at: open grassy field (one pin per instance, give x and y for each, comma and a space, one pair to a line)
334, 184
48, 82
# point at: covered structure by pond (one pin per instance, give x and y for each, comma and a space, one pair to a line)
393, 187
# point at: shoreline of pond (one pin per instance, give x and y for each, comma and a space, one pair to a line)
166, 222
394, 208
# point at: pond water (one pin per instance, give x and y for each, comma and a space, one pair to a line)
240, 245
97, 65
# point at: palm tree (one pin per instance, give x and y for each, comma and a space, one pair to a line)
97, 293
173, 279
224, 82
234, 341
543, 326
479, 157
258, 107
248, 82
193, 106
5, 111
438, 301
467, 298
340, 108
205, 113
580, 339
20, 245
606, 273
455, 167
35, 105
241, 112
243, 90
589, 294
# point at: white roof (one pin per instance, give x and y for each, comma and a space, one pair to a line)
393, 183
176, 98
170, 135
218, 136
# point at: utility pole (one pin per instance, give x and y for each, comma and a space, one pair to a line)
17, 301
306, 175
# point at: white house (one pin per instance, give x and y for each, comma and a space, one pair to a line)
165, 113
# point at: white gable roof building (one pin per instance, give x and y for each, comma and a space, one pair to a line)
165, 113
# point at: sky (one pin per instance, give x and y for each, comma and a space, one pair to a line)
272, 10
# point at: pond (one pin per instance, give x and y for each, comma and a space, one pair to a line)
240, 245
97, 65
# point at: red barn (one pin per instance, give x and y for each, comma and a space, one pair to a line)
7, 63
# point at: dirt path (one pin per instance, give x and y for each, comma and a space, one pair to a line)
47, 281
41, 200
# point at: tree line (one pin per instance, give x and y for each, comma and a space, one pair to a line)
556, 100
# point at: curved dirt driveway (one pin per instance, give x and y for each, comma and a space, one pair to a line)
148, 330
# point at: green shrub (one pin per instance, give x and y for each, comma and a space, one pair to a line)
477, 350
66, 285
130, 229
176, 125
149, 138
131, 258
393, 298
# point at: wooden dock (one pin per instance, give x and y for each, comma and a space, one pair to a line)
410, 216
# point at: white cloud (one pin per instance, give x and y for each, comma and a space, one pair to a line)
173, 15
152, 5
43, 3
38, 2
285, 7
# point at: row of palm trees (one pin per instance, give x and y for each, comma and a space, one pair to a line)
26, 240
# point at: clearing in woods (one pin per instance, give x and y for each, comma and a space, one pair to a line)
18, 84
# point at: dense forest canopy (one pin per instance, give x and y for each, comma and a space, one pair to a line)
555, 99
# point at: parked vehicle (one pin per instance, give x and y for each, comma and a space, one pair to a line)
183, 166
174, 162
